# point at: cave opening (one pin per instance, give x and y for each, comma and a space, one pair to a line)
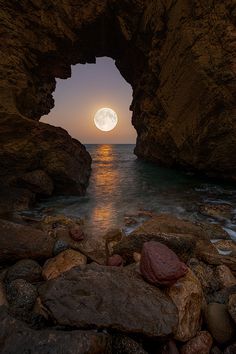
91, 87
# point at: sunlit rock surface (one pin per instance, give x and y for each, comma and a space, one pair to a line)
187, 295
178, 56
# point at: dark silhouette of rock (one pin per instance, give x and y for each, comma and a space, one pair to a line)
109, 297
26, 269
183, 104
12, 198
159, 265
19, 241
38, 182
17, 338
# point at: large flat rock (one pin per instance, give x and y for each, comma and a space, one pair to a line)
180, 235
17, 338
101, 297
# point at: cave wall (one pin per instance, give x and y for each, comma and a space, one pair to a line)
178, 55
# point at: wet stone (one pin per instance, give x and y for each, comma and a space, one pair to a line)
159, 265
26, 269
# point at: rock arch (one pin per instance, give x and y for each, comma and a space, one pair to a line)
178, 55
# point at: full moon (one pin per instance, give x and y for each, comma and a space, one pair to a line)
105, 119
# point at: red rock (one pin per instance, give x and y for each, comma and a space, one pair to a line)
160, 265
201, 344
115, 261
76, 234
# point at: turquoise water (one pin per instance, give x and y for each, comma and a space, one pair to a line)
122, 185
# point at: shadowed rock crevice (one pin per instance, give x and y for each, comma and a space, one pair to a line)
181, 71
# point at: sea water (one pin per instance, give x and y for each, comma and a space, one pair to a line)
122, 185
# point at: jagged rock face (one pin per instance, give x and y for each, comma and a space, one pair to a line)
178, 57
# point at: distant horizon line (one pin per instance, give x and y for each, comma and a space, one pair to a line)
109, 143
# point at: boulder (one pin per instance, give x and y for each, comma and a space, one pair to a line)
21, 295
60, 246
221, 296
225, 276
219, 323
122, 344
225, 247
15, 199
170, 348
37, 181
182, 245
39, 309
16, 337
187, 295
170, 224
177, 234
111, 298
232, 306
19, 241
61, 263
206, 252
115, 261
217, 211
26, 269
76, 233
92, 247
159, 265
206, 274
201, 344
137, 257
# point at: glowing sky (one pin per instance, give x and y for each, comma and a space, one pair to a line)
91, 87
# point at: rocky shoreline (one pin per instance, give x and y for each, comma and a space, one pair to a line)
165, 288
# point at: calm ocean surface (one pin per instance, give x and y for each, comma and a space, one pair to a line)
121, 185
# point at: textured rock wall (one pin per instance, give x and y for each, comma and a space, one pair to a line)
178, 55
187, 115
